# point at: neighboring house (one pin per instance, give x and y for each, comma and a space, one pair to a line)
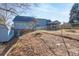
6, 33
66, 25
41, 23
23, 23
55, 25
27, 23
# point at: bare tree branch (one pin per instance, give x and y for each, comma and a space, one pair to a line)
9, 10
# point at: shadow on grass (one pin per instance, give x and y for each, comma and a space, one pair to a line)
26, 31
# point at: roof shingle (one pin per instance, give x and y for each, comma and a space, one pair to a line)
23, 18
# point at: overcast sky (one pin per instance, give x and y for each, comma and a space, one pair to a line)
53, 11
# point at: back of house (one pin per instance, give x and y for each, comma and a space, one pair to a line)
41, 23
23, 24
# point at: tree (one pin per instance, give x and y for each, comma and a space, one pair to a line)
74, 15
10, 10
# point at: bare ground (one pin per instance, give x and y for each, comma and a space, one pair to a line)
39, 43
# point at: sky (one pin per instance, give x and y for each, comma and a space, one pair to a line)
52, 11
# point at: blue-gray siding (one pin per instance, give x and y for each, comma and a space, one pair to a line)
41, 24
23, 25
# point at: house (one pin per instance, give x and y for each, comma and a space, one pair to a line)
54, 25
66, 25
23, 23
6, 33
41, 23
48, 24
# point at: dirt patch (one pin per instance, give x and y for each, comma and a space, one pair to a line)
30, 46
42, 44
2, 47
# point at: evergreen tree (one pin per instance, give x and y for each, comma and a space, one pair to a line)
74, 15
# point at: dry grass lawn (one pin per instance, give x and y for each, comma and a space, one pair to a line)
39, 43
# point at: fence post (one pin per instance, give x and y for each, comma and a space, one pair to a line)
64, 41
